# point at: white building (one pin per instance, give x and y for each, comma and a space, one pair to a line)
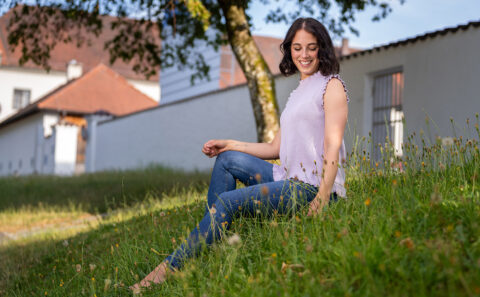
49, 136
21, 85
435, 74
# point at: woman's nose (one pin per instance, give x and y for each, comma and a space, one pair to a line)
305, 53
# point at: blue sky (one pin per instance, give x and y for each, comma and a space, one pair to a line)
413, 18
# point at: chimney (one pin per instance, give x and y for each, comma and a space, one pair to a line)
74, 70
344, 50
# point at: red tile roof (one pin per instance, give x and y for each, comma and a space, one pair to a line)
101, 89
61, 54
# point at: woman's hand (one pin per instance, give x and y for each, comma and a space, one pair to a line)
317, 205
214, 147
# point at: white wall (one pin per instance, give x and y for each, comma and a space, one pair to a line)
18, 146
175, 83
441, 80
65, 149
37, 81
25, 149
149, 88
173, 134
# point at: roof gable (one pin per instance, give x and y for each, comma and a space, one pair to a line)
101, 89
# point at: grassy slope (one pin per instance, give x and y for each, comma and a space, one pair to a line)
41, 201
410, 234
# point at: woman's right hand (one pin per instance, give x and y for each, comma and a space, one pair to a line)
214, 147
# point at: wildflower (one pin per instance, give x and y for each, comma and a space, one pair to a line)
108, 282
394, 182
359, 256
368, 201
258, 177
408, 243
342, 233
92, 267
78, 267
226, 276
173, 240
264, 190
398, 234
274, 224
93, 279
309, 248
116, 245
234, 239
213, 210
162, 214
65, 243
274, 255
450, 228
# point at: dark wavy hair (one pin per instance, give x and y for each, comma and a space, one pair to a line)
326, 54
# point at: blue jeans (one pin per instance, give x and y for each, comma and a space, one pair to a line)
261, 195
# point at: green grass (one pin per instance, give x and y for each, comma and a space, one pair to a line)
401, 233
52, 201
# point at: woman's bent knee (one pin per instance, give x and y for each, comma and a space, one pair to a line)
231, 158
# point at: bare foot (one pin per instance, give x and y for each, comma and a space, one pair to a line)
157, 276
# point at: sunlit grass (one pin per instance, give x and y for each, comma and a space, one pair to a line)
405, 230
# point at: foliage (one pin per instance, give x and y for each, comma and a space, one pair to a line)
403, 231
37, 29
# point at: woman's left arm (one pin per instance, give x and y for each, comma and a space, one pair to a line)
336, 112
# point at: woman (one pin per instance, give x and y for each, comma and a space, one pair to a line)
309, 144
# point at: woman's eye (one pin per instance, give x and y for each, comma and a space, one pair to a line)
313, 48
296, 49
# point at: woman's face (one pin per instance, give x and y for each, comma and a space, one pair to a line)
305, 53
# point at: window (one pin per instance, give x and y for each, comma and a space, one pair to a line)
388, 112
21, 98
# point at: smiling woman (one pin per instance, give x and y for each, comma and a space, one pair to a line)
309, 145
308, 48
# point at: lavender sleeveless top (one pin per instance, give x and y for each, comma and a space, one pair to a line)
301, 142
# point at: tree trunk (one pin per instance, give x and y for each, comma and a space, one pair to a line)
259, 78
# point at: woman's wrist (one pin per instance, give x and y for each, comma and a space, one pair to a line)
230, 145
323, 194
